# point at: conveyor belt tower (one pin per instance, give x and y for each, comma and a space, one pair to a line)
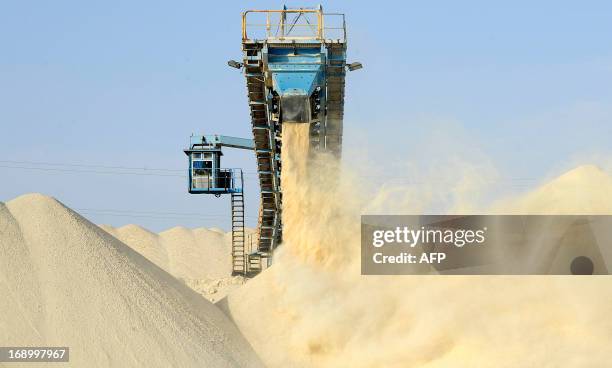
294, 62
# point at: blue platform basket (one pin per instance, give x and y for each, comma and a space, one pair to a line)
214, 181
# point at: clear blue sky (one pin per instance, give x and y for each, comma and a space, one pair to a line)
113, 83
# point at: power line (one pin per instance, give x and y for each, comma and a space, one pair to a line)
59, 170
89, 213
245, 173
151, 212
114, 212
508, 182
84, 165
112, 167
249, 175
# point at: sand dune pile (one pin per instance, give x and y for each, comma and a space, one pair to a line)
189, 254
585, 190
65, 282
201, 258
319, 311
143, 241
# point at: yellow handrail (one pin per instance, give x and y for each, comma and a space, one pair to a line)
320, 28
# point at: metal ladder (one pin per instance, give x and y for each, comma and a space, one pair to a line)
265, 134
254, 264
336, 72
253, 257
238, 241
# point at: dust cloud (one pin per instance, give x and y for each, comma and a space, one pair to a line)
314, 309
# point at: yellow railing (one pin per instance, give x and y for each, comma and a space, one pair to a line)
292, 24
